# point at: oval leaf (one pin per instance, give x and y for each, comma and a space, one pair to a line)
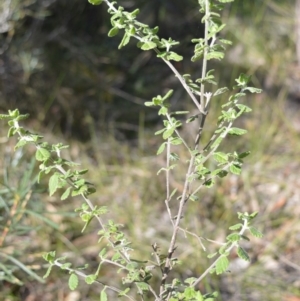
237, 131
148, 45
73, 282
168, 133
255, 232
42, 154
103, 296
235, 169
161, 148
220, 157
66, 194
113, 32
222, 265
243, 254
53, 184
90, 279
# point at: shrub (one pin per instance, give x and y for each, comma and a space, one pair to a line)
147, 278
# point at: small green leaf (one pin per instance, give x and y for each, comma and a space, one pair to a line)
42, 154
73, 282
245, 237
91, 190
65, 266
194, 198
90, 279
123, 293
222, 265
168, 95
243, 108
149, 104
20, 144
189, 293
113, 32
159, 132
235, 169
143, 286
174, 56
161, 148
50, 256
66, 193
148, 45
221, 173
221, 157
11, 132
243, 79
163, 111
95, 2
4, 116
244, 154
212, 255
216, 143
53, 183
82, 189
176, 141
243, 254
103, 295
168, 133
125, 40
102, 253
253, 90
236, 227
255, 232
209, 183
254, 214
135, 12
233, 237
215, 55
48, 272
237, 131
221, 91
173, 193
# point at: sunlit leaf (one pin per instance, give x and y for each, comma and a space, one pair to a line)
233, 237
221, 91
220, 157
103, 295
73, 282
53, 183
253, 90
168, 133
66, 193
125, 40
161, 148
237, 131
255, 232
236, 227
222, 265
148, 45
235, 169
90, 279
42, 154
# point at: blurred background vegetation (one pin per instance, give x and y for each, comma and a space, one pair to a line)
57, 63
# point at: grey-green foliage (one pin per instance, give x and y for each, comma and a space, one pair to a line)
199, 173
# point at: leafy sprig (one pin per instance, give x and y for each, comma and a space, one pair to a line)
199, 170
